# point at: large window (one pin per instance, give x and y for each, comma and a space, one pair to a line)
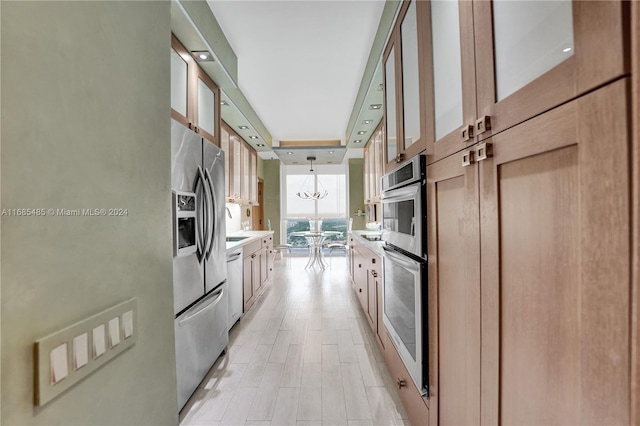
331, 210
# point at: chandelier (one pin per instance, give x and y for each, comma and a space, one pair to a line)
312, 195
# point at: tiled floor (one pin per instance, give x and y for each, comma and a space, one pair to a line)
303, 355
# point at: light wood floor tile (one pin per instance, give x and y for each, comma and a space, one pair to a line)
370, 369
331, 375
292, 374
334, 411
354, 392
346, 348
265, 400
311, 375
238, 409
256, 368
286, 409
281, 346
313, 346
310, 404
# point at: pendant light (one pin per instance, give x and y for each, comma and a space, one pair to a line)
313, 194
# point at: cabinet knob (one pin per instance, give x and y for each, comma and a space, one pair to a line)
359, 290
484, 151
359, 265
373, 260
467, 158
483, 124
375, 274
467, 133
400, 383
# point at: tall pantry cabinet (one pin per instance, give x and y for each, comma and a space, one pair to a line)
528, 212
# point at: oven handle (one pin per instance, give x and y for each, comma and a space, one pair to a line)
400, 259
401, 194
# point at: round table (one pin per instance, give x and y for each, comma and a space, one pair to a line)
315, 240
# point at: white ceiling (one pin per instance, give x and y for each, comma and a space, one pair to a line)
300, 62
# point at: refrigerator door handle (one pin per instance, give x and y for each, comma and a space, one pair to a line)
202, 307
212, 213
201, 228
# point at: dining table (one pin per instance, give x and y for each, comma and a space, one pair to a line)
316, 241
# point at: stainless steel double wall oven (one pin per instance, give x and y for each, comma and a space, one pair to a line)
405, 266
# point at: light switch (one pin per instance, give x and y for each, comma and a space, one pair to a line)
58, 362
127, 322
97, 337
114, 332
80, 351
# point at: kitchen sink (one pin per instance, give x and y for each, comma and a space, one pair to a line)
235, 239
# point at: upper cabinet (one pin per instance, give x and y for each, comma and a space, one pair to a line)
533, 56
490, 65
194, 96
373, 166
404, 92
241, 167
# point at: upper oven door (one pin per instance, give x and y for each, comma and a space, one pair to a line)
402, 219
405, 311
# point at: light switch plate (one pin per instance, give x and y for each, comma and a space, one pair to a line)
72, 338
127, 323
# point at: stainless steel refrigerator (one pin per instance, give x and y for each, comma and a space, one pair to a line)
199, 258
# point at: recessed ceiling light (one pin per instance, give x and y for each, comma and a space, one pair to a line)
202, 56
224, 103
357, 141
289, 153
243, 127
367, 121
375, 106
295, 162
566, 49
260, 145
362, 132
331, 152
253, 137
329, 162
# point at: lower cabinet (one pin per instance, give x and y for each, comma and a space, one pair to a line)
257, 267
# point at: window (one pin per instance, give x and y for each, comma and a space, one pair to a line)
297, 212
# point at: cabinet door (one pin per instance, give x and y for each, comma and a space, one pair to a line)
454, 292
253, 177
181, 64
236, 170
247, 283
368, 151
245, 175
206, 110
391, 107
225, 145
380, 331
360, 273
450, 73
256, 272
535, 55
555, 267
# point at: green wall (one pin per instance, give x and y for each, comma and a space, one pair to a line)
356, 191
271, 176
85, 124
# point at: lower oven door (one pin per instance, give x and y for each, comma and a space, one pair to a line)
405, 312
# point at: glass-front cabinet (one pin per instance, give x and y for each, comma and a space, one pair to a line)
404, 91
194, 96
241, 165
532, 56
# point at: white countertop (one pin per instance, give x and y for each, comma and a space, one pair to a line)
375, 246
251, 236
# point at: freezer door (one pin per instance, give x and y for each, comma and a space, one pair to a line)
216, 250
186, 158
201, 336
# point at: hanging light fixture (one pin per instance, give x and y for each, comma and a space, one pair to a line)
312, 195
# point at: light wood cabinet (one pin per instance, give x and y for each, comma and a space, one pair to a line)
404, 100
373, 166
529, 248
241, 166
258, 268
194, 96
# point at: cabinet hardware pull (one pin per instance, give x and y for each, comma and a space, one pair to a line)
253, 255
467, 133
467, 158
373, 260
375, 274
483, 124
484, 151
360, 290
400, 383
359, 265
